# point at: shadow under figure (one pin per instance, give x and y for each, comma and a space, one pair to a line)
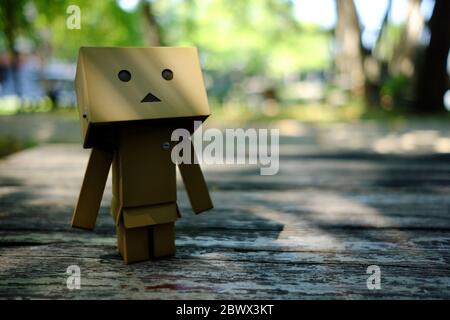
130, 100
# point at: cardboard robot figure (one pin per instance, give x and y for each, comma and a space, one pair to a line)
130, 100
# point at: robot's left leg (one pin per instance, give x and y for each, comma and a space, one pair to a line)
162, 240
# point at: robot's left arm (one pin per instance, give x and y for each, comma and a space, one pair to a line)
195, 184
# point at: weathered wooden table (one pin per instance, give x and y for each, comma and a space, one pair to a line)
309, 232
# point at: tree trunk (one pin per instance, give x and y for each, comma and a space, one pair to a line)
434, 81
349, 55
404, 58
11, 24
154, 32
375, 70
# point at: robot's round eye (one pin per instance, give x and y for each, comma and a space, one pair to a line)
124, 75
167, 74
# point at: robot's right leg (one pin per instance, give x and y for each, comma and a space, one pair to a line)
133, 244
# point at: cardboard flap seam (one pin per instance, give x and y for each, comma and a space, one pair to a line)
135, 217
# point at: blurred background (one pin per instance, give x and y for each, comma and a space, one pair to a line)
375, 73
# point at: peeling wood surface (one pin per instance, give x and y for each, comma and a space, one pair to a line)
308, 233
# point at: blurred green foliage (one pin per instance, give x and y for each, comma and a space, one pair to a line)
254, 43
253, 37
103, 23
10, 145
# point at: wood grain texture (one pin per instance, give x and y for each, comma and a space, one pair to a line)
309, 232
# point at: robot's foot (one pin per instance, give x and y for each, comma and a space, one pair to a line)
144, 243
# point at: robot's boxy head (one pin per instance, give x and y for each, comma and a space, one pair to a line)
117, 85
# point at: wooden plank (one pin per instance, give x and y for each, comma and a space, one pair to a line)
308, 233
430, 248
105, 276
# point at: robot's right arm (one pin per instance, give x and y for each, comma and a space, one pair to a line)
92, 189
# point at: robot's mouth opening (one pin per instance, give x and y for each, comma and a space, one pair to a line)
150, 98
